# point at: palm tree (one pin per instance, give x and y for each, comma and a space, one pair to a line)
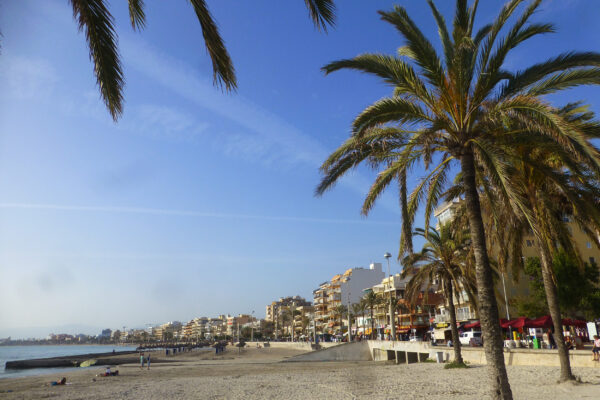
449, 108
551, 190
94, 18
286, 317
442, 260
359, 309
371, 301
338, 312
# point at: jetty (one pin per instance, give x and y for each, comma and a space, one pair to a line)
109, 358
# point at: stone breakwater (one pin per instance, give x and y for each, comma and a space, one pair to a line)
109, 358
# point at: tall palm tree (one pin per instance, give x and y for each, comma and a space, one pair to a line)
371, 301
338, 313
442, 259
359, 309
552, 190
449, 106
96, 21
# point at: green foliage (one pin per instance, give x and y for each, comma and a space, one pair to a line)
578, 293
454, 364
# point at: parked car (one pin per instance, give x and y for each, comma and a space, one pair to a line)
414, 338
470, 338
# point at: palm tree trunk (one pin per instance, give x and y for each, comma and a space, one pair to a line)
553, 306
406, 245
455, 340
488, 307
372, 325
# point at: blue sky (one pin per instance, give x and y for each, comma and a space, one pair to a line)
196, 202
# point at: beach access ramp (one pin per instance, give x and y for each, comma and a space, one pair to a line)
354, 351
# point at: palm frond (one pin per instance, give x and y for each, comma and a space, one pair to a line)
386, 110
322, 13
424, 52
137, 15
223, 70
530, 76
97, 22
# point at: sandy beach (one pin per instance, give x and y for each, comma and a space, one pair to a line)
261, 374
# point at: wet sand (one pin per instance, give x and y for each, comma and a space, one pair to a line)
260, 374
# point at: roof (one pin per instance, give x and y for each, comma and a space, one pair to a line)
336, 278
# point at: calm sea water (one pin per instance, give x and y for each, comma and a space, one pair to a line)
10, 353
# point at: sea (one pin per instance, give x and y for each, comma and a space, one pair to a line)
11, 353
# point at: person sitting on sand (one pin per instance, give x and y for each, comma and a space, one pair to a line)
63, 381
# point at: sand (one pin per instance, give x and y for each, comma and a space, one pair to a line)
260, 374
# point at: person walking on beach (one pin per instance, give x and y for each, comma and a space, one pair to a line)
148, 361
141, 360
596, 348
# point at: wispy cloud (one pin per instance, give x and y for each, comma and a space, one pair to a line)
184, 81
26, 78
264, 137
186, 213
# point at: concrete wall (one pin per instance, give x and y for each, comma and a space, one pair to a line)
294, 345
382, 350
578, 358
355, 351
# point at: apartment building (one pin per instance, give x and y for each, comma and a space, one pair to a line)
411, 316
343, 289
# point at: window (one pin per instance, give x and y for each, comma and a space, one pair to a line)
529, 243
476, 334
592, 260
588, 245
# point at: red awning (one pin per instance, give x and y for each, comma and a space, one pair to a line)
514, 323
541, 322
475, 324
574, 322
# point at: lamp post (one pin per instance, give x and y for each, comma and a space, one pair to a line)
387, 256
506, 303
252, 327
293, 317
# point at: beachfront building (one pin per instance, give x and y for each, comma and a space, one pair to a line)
282, 313
412, 317
167, 331
196, 329
303, 316
342, 290
235, 324
216, 327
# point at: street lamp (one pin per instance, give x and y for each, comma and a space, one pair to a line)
387, 256
293, 319
349, 316
252, 327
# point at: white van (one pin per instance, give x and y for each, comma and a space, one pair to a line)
466, 337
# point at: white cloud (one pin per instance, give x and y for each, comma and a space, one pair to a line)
27, 78
185, 213
264, 137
